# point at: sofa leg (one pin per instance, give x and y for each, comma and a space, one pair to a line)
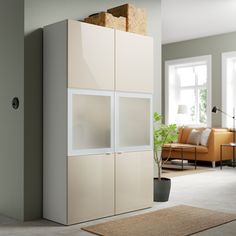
213, 164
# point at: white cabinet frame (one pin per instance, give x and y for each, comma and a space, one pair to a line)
78, 137
91, 151
117, 106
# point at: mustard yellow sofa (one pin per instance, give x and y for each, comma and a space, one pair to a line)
210, 153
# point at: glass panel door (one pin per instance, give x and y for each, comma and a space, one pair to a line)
133, 122
90, 122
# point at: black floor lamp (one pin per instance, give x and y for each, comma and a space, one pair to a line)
216, 109
233, 144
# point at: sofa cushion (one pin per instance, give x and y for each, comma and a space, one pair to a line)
184, 135
202, 149
185, 132
205, 136
194, 137
180, 132
199, 149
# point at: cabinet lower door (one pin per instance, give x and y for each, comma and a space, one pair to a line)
90, 187
134, 181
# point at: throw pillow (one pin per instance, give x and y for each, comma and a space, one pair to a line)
204, 136
194, 137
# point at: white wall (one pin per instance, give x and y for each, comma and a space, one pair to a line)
11, 121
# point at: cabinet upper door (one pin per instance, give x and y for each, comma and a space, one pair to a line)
90, 56
134, 62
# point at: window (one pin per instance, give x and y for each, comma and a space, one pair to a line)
228, 87
188, 91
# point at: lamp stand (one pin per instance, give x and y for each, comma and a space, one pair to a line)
233, 162
232, 144
234, 125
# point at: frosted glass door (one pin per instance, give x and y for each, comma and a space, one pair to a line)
90, 122
133, 122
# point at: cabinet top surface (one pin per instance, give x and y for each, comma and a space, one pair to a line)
69, 21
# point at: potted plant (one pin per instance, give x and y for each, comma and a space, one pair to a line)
162, 134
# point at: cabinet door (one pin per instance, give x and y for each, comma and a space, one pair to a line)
133, 122
90, 187
90, 122
134, 62
134, 181
90, 56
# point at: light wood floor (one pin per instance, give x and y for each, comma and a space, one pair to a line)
212, 189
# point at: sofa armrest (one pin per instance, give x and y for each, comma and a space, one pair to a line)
214, 142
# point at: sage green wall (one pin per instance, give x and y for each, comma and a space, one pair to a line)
11, 121
39, 13
213, 45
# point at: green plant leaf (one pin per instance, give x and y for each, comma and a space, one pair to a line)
162, 134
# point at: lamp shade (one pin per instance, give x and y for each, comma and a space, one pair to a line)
214, 109
182, 109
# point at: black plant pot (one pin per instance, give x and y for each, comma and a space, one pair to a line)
162, 189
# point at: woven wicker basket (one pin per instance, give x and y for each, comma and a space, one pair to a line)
107, 20
136, 18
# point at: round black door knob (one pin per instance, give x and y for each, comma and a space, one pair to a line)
15, 103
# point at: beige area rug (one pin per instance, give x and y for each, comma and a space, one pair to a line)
173, 171
180, 220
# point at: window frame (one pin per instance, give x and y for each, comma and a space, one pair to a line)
170, 65
194, 87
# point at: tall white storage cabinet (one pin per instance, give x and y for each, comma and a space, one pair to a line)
97, 122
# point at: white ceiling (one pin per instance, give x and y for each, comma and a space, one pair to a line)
189, 19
